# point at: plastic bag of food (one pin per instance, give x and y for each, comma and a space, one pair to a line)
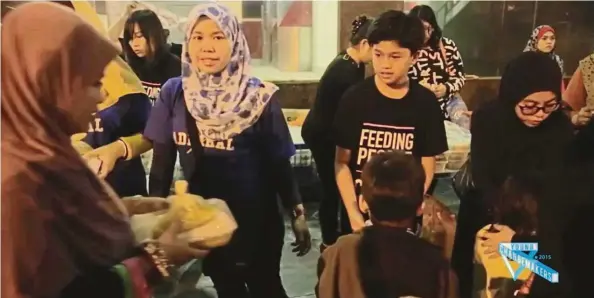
205, 223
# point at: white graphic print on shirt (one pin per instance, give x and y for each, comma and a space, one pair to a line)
152, 90
377, 138
431, 69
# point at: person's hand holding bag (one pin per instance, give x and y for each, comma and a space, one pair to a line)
205, 223
177, 250
492, 239
439, 90
109, 155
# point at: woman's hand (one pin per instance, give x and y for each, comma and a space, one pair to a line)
142, 205
491, 240
134, 6
448, 223
357, 222
582, 117
109, 155
439, 90
178, 251
302, 244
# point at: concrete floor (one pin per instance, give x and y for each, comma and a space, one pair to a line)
299, 273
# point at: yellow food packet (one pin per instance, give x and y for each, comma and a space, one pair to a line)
191, 210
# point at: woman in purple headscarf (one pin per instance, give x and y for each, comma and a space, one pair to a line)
233, 143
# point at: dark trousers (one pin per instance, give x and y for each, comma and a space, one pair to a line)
330, 205
254, 275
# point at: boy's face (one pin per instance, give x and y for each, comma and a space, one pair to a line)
391, 62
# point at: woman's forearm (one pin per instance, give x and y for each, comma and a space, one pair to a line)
286, 183
115, 31
136, 145
161, 172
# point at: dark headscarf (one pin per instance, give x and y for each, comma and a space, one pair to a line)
521, 148
529, 73
542, 150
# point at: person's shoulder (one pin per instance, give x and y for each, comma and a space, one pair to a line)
176, 49
172, 83
422, 96
174, 63
343, 63
429, 251
420, 92
268, 89
361, 89
448, 41
487, 117
341, 69
343, 243
488, 110
171, 89
268, 92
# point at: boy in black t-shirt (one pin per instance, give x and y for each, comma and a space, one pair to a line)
386, 112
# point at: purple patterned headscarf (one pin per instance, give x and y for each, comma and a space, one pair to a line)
225, 104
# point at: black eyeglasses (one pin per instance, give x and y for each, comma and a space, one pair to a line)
530, 110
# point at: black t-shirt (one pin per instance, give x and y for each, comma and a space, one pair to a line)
367, 122
176, 49
153, 76
342, 73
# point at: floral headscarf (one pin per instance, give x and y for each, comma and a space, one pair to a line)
224, 104
537, 33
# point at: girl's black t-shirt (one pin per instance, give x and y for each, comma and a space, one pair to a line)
154, 74
342, 73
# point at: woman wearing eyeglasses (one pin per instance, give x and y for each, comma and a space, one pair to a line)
522, 131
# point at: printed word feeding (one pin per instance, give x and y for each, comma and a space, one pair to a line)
376, 138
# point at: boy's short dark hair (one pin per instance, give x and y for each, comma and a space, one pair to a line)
393, 184
396, 26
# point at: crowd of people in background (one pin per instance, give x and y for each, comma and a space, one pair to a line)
77, 117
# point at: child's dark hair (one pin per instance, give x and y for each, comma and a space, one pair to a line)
393, 184
360, 29
517, 206
396, 26
426, 13
153, 32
